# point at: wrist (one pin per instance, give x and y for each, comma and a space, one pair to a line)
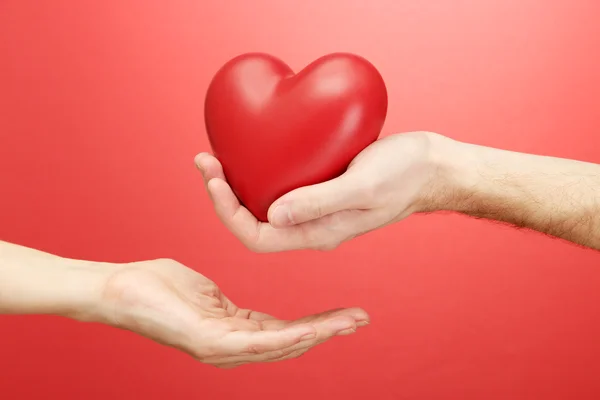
36, 282
80, 289
452, 169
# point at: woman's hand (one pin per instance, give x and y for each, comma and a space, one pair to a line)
176, 306
162, 300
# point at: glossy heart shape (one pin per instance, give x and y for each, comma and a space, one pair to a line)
274, 131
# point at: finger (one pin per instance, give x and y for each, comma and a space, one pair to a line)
328, 329
325, 330
299, 352
258, 342
236, 218
359, 316
256, 236
209, 166
270, 356
264, 238
295, 354
325, 233
316, 201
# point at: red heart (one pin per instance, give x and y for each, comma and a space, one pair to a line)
274, 131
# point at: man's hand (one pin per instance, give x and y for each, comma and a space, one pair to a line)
176, 306
383, 184
418, 172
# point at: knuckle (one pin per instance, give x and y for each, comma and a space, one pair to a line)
317, 210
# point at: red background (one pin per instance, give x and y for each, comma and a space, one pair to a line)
100, 117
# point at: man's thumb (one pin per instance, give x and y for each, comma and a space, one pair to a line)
312, 202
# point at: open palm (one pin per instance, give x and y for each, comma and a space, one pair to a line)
176, 306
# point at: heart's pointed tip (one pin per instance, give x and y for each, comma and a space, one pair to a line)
262, 217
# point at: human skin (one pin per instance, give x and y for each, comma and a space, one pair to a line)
162, 300
420, 172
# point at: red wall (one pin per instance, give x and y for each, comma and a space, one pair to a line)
100, 117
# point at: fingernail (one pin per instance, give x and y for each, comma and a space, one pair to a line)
362, 323
308, 336
348, 331
281, 216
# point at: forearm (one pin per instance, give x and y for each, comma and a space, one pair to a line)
556, 196
35, 282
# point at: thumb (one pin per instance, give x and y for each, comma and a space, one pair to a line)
315, 201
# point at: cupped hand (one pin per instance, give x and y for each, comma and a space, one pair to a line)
171, 304
385, 183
